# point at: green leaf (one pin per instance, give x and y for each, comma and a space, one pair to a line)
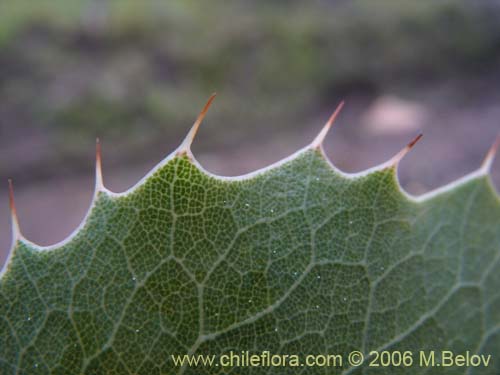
295, 259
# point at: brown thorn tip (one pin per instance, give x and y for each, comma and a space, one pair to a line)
412, 143
490, 156
98, 150
13, 211
11, 197
186, 144
318, 141
98, 164
396, 159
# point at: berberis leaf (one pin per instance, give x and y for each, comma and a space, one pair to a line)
297, 259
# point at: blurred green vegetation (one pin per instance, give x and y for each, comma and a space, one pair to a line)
135, 70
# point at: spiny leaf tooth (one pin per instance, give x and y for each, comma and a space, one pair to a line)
490, 156
396, 159
185, 147
16, 231
99, 185
318, 141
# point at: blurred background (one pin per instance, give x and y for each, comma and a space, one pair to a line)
136, 74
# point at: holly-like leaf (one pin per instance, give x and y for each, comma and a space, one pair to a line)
295, 259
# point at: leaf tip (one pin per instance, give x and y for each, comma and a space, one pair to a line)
16, 232
396, 159
490, 156
318, 141
185, 146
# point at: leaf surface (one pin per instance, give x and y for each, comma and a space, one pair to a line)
297, 259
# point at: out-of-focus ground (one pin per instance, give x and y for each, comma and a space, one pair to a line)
137, 73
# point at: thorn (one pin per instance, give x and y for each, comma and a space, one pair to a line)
490, 156
396, 159
186, 144
318, 141
16, 232
98, 166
